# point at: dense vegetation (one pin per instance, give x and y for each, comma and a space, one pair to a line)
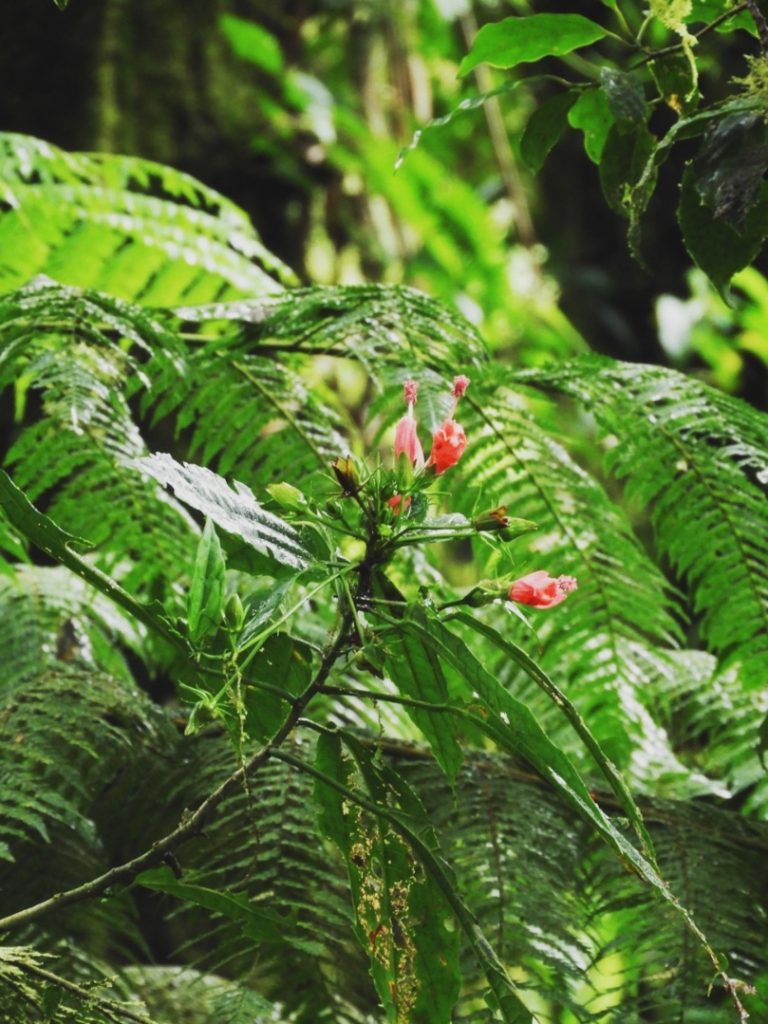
374, 647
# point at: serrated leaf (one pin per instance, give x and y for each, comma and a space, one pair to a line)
514, 41
591, 114
720, 249
206, 592
544, 128
234, 509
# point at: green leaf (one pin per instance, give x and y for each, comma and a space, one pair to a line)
417, 673
282, 661
235, 510
62, 4
206, 593
253, 43
402, 914
592, 115
625, 156
522, 40
544, 128
720, 249
731, 164
626, 98
542, 680
257, 924
513, 727
54, 541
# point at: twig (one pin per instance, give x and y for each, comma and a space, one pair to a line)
107, 1005
190, 824
665, 51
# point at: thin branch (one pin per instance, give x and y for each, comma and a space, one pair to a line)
109, 1006
665, 51
190, 824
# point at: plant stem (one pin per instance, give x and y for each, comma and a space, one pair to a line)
109, 1006
677, 47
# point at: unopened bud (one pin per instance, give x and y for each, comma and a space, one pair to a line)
496, 519
346, 474
234, 612
287, 495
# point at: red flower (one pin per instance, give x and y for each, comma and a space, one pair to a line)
406, 438
448, 444
396, 506
449, 440
540, 590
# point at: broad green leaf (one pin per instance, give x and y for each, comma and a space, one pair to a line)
730, 166
514, 41
416, 672
284, 662
206, 592
258, 924
626, 98
720, 249
253, 43
234, 509
592, 115
544, 128
625, 156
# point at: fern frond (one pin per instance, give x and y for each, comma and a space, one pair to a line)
64, 345
123, 225
699, 460
622, 617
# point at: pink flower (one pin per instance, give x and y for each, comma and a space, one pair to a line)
540, 590
406, 438
449, 440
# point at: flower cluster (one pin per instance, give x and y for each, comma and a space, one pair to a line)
448, 441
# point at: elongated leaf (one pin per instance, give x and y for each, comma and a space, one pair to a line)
433, 900
591, 114
544, 128
206, 593
522, 40
257, 923
514, 728
235, 510
540, 677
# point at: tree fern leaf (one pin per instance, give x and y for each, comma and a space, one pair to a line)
98, 221
694, 455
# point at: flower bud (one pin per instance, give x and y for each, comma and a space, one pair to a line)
287, 495
346, 474
234, 614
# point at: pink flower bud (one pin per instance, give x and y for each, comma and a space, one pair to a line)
448, 444
540, 590
406, 437
460, 385
407, 441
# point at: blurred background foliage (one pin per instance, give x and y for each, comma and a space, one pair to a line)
297, 112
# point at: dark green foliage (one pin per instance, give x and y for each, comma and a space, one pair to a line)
504, 868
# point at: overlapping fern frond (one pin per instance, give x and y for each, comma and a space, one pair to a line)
123, 225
